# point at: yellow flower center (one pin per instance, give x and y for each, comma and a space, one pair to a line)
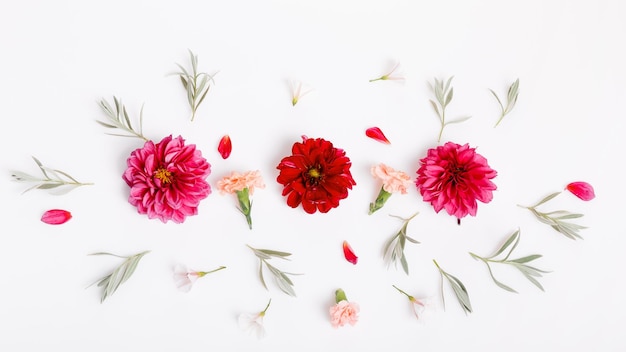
163, 175
315, 173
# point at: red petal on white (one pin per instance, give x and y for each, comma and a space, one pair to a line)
225, 147
376, 134
349, 253
56, 216
582, 190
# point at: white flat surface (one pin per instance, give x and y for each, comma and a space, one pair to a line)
59, 58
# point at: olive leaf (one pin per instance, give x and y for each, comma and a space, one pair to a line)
117, 118
119, 275
281, 278
196, 84
531, 273
511, 100
394, 248
458, 288
556, 219
55, 181
443, 94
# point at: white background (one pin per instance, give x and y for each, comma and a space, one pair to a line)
59, 58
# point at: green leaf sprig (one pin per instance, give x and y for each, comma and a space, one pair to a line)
394, 248
282, 279
459, 290
196, 83
118, 119
55, 181
556, 219
443, 94
119, 275
521, 264
511, 99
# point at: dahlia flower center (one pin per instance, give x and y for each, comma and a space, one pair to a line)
315, 173
163, 175
456, 174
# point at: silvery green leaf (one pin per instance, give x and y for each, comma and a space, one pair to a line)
498, 99
449, 97
549, 197
498, 283
119, 119
120, 274
274, 253
513, 238
55, 181
527, 258
261, 274
405, 265
460, 292
412, 240
461, 119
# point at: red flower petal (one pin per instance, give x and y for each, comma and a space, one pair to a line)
225, 147
349, 254
376, 134
56, 216
582, 190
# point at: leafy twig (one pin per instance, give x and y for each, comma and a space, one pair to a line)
122, 273
118, 118
443, 94
520, 263
196, 83
511, 99
51, 179
556, 219
282, 280
394, 248
459, 290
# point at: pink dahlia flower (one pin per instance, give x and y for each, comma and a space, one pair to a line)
167, 180
453, 177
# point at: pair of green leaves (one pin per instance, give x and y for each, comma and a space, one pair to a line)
281, 278
511, 99
458, 288
531, 273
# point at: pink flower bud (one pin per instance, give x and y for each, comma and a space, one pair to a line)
582, 190
225, 147
56, 216
376, 134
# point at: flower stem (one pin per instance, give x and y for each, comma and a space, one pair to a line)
406, 294
202, 273
266, 307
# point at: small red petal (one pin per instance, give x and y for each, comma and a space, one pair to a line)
376, 134
225, 147
56, 216
349, 254
582, 190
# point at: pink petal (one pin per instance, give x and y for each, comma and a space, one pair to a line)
349, 254
225, 147
56, 216
582, 190
376, 134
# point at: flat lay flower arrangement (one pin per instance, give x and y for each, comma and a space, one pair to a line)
167, 181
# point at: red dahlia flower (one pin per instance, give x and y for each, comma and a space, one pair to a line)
453, 177
316, 175
167, 180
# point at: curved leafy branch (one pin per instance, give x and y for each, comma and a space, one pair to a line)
529, 272
55, 181
394, 248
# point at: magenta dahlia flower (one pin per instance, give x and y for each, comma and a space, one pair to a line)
167, 180
453, 177
316, 175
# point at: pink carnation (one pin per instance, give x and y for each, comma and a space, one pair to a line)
344, 313
453, 177
238, 182
167, 180
393, 181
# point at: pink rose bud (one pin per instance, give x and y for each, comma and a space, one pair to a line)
376, 134
582, 190
225, 147
56, 216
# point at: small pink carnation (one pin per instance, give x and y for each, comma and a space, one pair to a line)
393, 181
238, 182
344, 313
167, 180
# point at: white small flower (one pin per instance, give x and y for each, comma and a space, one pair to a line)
296, 92
185, 278
253, 323
391, 76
